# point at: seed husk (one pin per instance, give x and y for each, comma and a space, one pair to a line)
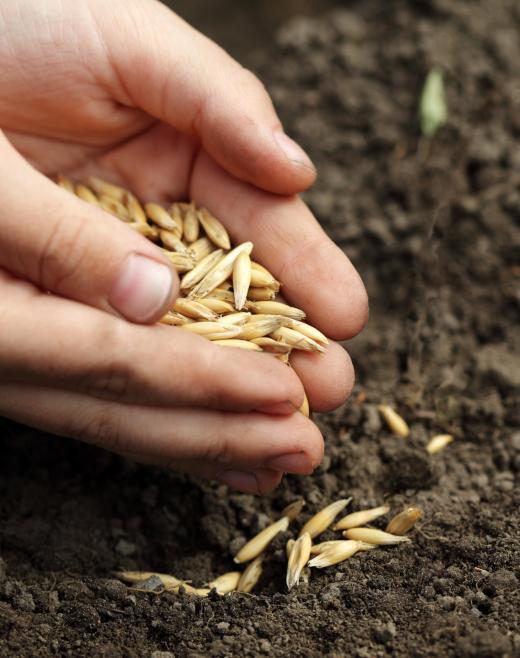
175, 319
236, 318
272, 345
262, 279
176, 215
218, 306
181, 262
201, 248
214, 229
405, 520
288, 547
259, 543
101, 186
304, 408
250, 576
65, 183
213, 330
191, 225
220, 272
148, 231
201, 269
161, 217
135, 209
284, 358
316, 549
277, 308
292, 510
307, 330
227, 582
241, 279
237, 342
171, 241
338, 553
322, 520
395, 422
361, 518
261, 294
373, 536
115, 207
297, 340
140, 576
298, 558
256, 328
193, 309
438, 443
86, 194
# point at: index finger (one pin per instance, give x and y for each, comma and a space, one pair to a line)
316, 274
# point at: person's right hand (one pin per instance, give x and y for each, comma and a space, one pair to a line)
86, 361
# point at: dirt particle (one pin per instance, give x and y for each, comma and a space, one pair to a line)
484, 644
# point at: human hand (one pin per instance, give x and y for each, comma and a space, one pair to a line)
129, 92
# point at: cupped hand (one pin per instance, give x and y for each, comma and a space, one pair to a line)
129, 92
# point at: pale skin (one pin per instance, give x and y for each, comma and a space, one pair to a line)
128, 91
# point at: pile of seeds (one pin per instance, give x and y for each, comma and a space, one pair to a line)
302, 554
227, 297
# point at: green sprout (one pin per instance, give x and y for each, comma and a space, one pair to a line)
433, 110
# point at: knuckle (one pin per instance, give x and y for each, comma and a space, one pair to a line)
101, 428
62, 253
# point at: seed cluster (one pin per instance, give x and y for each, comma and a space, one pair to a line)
302, 554
227, 297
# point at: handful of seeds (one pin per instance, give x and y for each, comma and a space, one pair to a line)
227, 297
302, 554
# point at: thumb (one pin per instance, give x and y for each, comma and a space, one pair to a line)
75, 250
176, 74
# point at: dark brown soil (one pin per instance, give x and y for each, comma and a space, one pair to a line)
434, 228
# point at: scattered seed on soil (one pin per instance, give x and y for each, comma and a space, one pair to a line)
403, 521
395, 422
259, 543
292, 510
298, 558
338, 552
373, 536
323, 519
438, 443
250, 576
227, 582
360, 518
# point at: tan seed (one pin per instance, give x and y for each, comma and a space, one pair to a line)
201, 248
227, 582
176, 215
201, 269
250, 576
225, 295
115, 207
278, 308
373, 536
217, 305
272, 345
338, 553
395, 422
298, 558
403, 521
109, 189
322, 520
140, 577
438, 443
236, 342
220, 272
261, 278
316, 549
306, 330
304, 408
292, 510
213, 330
214, 229
65, 183
171, 241
297, 340
288, 547
259, 543
86, 194
191, 225
135, 209
236, 318
193, 309
159, 216
257, 328
175, 319
181, 262
360, 518
241, 279
261, 294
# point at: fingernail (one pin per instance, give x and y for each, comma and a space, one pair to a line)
142, 289
278, 408
245, 482
296, 462
292, 150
